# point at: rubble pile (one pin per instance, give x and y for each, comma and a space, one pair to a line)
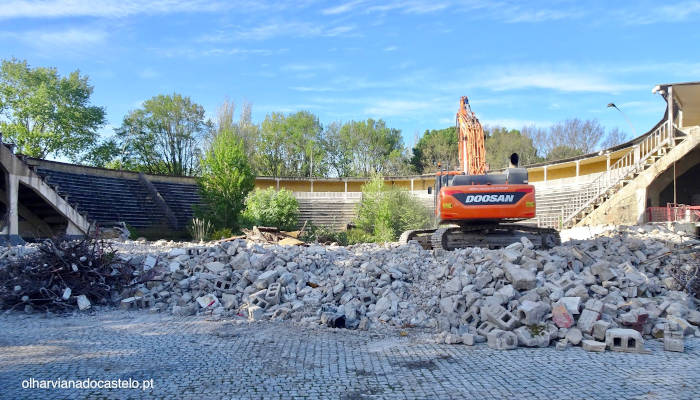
58, 274
611, 291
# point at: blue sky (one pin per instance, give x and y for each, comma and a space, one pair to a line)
407, 62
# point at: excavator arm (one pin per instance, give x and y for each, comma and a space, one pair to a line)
470, 134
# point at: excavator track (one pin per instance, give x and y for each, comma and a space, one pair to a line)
488, 236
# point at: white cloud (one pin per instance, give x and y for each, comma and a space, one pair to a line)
103, 8
343, 8
682, 11
58, 39
273, 29
559, 80
391, 48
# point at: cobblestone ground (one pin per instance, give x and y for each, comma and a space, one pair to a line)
198, 358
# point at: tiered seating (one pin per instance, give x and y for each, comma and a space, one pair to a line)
181, 198
106, 200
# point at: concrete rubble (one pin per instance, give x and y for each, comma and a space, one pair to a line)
612, 291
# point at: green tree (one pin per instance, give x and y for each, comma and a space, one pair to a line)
103, 155
562, 151
225, 181
163, 136
370, 147
501, 143
291, 145
45, 114
435, 146
270, 207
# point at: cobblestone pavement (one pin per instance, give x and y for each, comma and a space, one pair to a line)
198, 357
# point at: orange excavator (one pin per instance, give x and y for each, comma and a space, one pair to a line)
477, 208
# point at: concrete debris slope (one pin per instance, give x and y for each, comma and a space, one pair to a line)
612, 291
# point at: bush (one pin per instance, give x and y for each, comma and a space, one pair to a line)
385, 212
269, 207
324, 234
226, 180
222, 233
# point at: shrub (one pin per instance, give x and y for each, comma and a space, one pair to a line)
269, 207
222, 233
226, 180
324, 234
385, 212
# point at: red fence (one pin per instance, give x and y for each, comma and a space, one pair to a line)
673, 212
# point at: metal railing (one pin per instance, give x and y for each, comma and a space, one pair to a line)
625, 167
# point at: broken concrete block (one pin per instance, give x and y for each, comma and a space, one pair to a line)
272, 295
501, 340
532, 338
586, 321
468, 339
561, 316
603, 270
215, 267
573, 304
501, 317
83, 302
531, 312
521, 278
674, 339
149, 263
127, 303
255, 313
592, 345
471, 317
229, 301
485, 328
452, 339
599, 329
66, 293
561, 344
625, 340
208, 301
574, 336
594, 305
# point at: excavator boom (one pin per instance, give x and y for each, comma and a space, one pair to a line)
470, 134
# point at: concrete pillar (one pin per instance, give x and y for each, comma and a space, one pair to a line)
641, 195
669, 100
277, 182
346, 185
12, 201
545, 173
72, 230
578, 169
312, 185
607, 162
637, 154
411, 184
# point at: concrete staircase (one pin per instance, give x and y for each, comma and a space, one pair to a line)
639, 158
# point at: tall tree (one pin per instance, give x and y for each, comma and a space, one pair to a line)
164, 136
226, 179
370, 145
338, 155
435, 146
290, 145
45, 114
502, 142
